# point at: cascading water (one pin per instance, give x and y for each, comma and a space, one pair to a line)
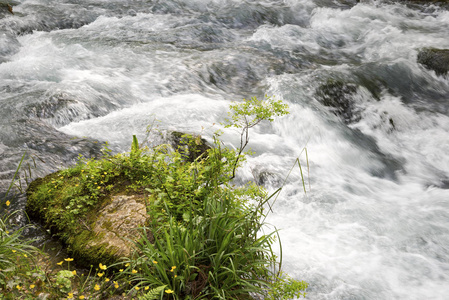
374, 223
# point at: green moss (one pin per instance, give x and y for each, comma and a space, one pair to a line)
107, 225
84, 249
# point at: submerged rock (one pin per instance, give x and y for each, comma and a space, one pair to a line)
5, 9
339, 96
435, 59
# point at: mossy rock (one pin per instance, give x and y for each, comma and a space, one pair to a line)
435, 59
103, 234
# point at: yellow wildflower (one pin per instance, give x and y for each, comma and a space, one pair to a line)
121, 270
134, 271
103, 267
18, 287
127, 265
173, 268
169, 291
74, 272
106, 279
13, 251
97, 287
154, 262
81, 297
70, 296
68, 259
32, 286
8, 203
116, 284
25, 255
137, 288
100, 274
60, 263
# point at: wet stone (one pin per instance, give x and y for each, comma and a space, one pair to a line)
338, 95
435, 59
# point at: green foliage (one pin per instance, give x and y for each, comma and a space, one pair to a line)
249, 113
204, 237
284, 287
217, 253
63, 280
14, 251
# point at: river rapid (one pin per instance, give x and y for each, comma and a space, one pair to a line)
374, 223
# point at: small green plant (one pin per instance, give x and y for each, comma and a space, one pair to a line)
284, 287
64, 280
249, 113
154, 294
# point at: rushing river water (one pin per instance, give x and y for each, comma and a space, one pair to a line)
374, 223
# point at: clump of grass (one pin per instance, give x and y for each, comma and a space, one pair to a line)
218, 254
15, 255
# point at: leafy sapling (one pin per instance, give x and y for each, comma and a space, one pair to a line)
249, 113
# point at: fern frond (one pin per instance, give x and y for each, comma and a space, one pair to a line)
154, 294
